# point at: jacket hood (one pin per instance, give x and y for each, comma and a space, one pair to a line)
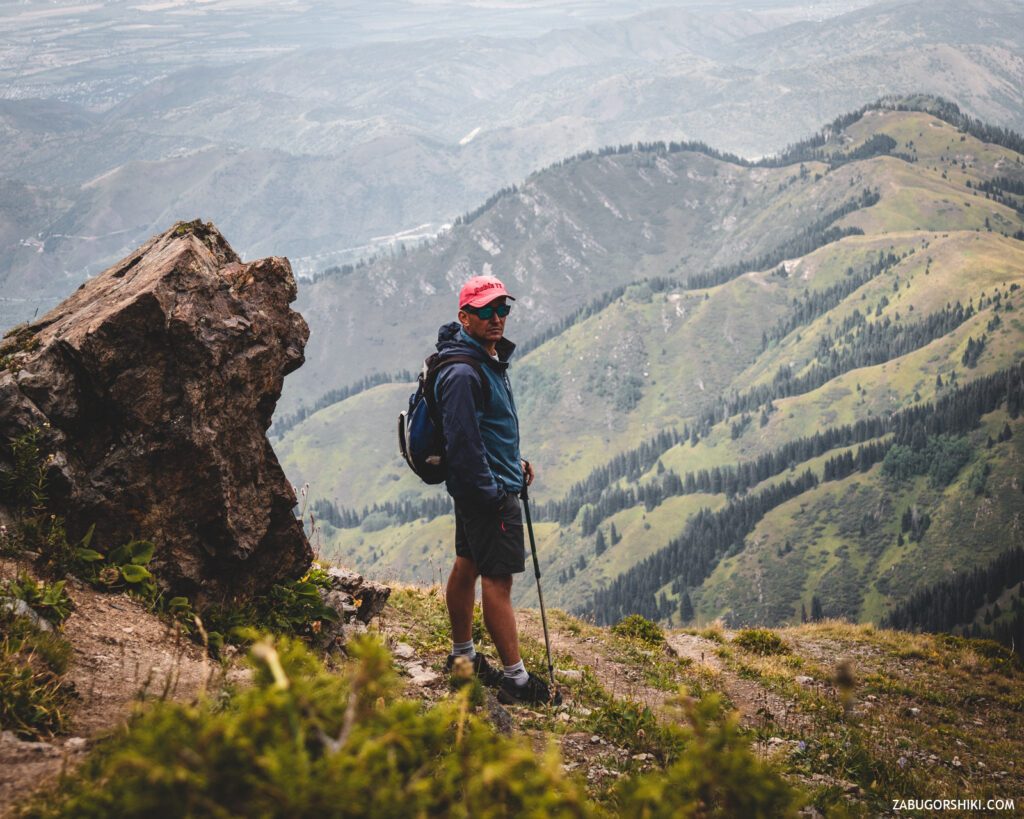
452, 341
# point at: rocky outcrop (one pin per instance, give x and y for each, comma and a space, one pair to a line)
356, 600
153, 386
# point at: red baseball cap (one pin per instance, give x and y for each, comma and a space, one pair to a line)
481, 290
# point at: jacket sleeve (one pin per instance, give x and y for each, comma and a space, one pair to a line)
460, 394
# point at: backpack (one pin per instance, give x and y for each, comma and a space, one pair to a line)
420, 440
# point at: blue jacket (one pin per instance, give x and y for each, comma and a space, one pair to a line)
481, 439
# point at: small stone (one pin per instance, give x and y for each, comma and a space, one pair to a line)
404, 651
642, 757
803, 679
568, 674
344, 579
564, 717
595, 739
421, 675
22, 746
76, 744
956, 762
19, 608
350, 630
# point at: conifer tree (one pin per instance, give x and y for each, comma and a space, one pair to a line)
686, 608
816, 611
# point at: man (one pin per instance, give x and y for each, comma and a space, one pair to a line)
485, 474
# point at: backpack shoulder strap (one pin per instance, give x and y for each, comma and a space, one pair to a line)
433, 366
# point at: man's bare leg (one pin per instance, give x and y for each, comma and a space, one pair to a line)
499, 616
460, 594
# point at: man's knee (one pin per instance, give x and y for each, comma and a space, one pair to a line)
497, 582
465, 568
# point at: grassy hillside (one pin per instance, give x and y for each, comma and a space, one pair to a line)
838, 332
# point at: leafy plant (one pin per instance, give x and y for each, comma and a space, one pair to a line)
294, 608
634, 726
25, 481
762, 641
634, 625
49, 600
123, 568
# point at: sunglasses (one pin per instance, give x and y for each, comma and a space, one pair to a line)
485, 313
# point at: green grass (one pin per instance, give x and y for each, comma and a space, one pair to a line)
35, 699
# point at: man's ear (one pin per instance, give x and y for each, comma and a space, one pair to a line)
463, 318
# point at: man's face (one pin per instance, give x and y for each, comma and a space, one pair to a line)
488, 331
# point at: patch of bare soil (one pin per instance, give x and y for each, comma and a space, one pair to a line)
621, 680
754, 702
122, 654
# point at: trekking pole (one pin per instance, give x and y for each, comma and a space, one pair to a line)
536, 571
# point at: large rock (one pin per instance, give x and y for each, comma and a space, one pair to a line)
154, 386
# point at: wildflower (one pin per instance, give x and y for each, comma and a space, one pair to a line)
109, 575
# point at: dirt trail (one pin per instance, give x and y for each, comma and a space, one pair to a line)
754, 702
121, 653
621, 680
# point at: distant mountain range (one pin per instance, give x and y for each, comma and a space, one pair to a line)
752, 390
333, 153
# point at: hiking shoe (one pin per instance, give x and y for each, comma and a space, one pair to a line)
485, 672
534, 692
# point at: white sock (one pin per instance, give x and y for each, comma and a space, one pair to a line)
517, 673
466, 649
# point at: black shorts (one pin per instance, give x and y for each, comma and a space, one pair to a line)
491, 538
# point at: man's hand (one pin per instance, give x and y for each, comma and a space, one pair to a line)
527, 472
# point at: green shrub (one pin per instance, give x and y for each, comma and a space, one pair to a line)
761, 641
302, 742
640, 628
33, 697
49, 600
633, 725
716, 775
123, 568
25, 480
290, 608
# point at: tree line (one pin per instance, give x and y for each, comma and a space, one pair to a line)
730, 480
817, 234
871, 344
951, 605
810, 306
285, 423
691, 557
634, 591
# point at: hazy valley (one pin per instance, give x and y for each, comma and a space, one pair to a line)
365, 137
